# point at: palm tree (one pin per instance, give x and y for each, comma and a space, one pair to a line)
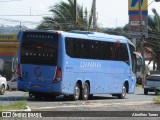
63, 17
157, 19
153, 41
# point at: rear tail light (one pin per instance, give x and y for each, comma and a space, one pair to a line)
19, 72
58, 76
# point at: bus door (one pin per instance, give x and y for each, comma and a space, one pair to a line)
133, 70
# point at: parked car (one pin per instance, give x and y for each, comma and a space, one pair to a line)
152, 84
12, 84
3, 85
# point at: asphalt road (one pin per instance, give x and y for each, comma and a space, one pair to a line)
100, 103
98, 100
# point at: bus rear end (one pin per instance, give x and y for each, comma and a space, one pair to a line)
38, 68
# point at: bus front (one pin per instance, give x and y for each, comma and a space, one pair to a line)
38, 69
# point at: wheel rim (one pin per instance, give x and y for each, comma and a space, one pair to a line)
85, 91
124, 91
2, 90
77, 92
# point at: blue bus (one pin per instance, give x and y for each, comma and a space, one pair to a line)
77, 64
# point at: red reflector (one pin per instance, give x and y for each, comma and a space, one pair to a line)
57, 33
58, 72
18, 70
117, 41
39, 47
58, 75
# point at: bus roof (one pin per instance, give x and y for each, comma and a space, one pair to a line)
87, 35
96, 36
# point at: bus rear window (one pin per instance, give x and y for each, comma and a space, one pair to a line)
39, 48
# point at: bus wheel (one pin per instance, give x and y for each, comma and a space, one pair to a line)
30, 94
145, 92
123, 94
77, 92
85, 92
156, 92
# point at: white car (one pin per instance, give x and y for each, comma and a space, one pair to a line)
3, 85
12, 84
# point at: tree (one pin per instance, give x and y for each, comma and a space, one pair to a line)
157, 20
153, 39
116, 31
63, 17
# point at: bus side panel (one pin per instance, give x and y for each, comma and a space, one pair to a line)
69, 82
132, 77
132, 84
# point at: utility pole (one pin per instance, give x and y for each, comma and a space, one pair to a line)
20, 26
75, 12
142, 42
30, 10
94, 15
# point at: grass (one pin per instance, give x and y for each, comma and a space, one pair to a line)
157, 99
20, 105
138, 86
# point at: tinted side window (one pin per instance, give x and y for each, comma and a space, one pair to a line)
92, 49
106, 50
116, 51
124, 53
86, 49
77, 48
120, 52
69, 46
97, 50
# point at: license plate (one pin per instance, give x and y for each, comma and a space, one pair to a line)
37, 86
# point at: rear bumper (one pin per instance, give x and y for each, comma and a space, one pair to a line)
51, 88
152, 89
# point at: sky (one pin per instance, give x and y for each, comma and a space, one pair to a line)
110, 13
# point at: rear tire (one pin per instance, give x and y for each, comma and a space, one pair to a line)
30, 94
124, 92
8, 87
77, 93
156, 92
85, 92
2, 90
90, 96
145, 92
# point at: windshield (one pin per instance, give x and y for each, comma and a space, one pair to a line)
39, 48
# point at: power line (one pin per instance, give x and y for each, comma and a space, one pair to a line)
11, 20
28, 15
9, 0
